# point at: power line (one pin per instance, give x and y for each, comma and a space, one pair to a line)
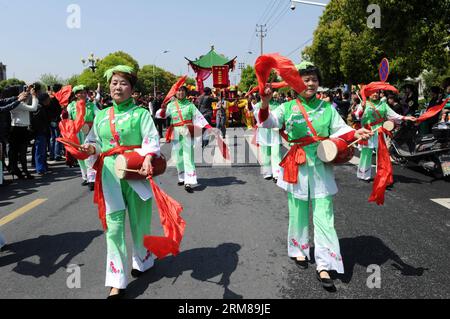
301, 46
279, 18
275, 12
266, 13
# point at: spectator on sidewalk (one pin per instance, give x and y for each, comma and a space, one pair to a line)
20, 121
54, 113
40, 126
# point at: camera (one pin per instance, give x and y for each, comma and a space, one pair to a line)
293, 6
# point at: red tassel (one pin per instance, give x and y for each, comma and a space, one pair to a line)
293, 159
174, 90
284, 67
63, 95
172, 222
70, 128
433, 111
384, 176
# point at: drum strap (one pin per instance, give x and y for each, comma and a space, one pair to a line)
378, 117
112, 125
296, 155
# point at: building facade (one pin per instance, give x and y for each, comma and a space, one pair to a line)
2, 72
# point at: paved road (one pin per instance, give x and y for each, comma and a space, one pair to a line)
235, 242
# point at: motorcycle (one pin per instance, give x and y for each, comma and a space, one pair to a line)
429, 151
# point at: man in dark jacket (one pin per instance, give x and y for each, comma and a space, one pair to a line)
54, 115
205, 102
40, 125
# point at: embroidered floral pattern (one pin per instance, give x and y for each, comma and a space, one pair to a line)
296, 244
334, 255
113, 268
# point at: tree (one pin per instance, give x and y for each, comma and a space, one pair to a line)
10, 82
73, 80
90, 79
414, 35
248, 79
164, 79
50, 79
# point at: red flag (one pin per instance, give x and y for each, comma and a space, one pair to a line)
174, 90
384, 176
275, 85
284, 67
172, 222
433, 111
374, 87
69, 130
63, 95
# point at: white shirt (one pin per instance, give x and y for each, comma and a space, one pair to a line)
20, 116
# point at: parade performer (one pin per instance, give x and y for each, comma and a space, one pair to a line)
306, 121
119, 129
187, 121
269, 142
86, 166
374, 115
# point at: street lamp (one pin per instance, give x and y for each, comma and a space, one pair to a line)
154, 74
307, 2
91, 62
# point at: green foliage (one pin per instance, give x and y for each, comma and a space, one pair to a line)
10, 82
413, 36
164, 79
248, 79
91, 79
73, 80
50, 79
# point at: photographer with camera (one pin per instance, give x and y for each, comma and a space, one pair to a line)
20, 121
8, 102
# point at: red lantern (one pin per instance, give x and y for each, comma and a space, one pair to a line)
221, 78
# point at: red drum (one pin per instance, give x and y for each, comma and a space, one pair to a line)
335, 151
389, 126
127, 164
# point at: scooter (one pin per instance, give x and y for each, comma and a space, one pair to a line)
429, 151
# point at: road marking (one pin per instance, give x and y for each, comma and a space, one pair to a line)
25, 209
442, 201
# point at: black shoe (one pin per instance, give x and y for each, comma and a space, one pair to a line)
326, 283
85, 183
18, 174
91, 186
268, 177
120, 295
137, 273
275, 180
29, 176
304, 264
188, 188
180, 183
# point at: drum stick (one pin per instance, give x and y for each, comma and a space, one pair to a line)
359, 140
129, 170
69, 143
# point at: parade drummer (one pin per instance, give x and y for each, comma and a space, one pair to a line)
86, 166
269, 141
123, 127
374, 114
186, 121
307, 121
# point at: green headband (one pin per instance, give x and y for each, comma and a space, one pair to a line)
304, 65
79, 88
120, 68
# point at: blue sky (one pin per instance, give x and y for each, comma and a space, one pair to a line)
36, 40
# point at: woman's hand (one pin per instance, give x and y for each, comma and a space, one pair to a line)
88, 149
147, 168
410, 118
268, 94
23, 96
363, 134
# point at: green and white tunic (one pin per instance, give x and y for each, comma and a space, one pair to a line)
135, 127
316, 179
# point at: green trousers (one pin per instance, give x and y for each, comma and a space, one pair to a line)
365, 164
140, 215
326, 242
183, 154
271, 159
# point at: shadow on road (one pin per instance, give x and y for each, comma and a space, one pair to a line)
218, 182
204, 263
368, 250
19, 188
49, 249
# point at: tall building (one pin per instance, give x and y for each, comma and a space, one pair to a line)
2, 72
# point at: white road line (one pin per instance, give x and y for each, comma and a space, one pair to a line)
442, 201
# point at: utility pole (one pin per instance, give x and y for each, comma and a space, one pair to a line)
261, 33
